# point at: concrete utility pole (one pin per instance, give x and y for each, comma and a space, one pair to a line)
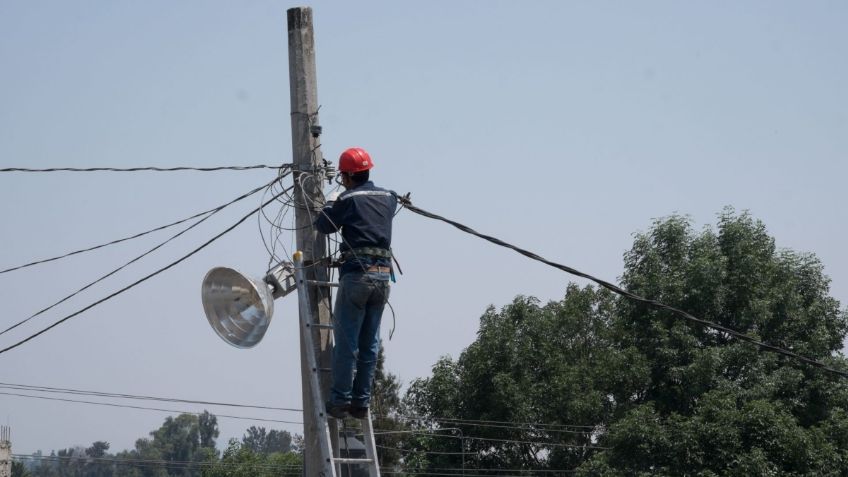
308, 195
5, 452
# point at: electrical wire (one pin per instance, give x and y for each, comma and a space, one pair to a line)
137, 258
512, 424
443, 432
146, 408
488, 439
432, 432
142, 169
141, 280
521, 472
632, 296
543, 444
275, 231
113, 242
522, 428
80, 392
413, 451
155, 462
543, 427
460, 472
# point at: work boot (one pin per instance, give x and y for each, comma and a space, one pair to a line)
358, 412
339, 411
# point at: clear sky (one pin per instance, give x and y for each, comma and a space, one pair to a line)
561, 126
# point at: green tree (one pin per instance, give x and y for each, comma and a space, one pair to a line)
257, 439
554, 364
71, 462
386, 413
607, 386
144, 450
714, 405
180, 441
45, 466
208, 429
20, 470
181, 446
239, 460
95, 466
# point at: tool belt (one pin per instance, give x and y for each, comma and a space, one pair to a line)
371, 252
366, 252
378, 269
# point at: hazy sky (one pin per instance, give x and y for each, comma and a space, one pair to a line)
561, 126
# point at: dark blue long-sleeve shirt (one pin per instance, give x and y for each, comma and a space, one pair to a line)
364, 215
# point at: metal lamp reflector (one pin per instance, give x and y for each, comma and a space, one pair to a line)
238, 307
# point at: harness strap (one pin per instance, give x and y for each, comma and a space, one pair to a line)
367, 251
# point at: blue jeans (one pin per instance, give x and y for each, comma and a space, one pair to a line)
356, 331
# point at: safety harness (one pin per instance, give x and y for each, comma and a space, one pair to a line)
367, 252
370, 252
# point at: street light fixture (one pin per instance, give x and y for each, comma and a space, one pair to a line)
239, 308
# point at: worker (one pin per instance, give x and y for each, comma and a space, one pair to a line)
363, 213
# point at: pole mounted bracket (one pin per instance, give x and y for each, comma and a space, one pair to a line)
330, 171
281, 279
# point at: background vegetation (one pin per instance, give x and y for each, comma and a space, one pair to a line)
593, 383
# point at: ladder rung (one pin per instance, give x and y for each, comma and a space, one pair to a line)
350, 460
323, 326
321, 284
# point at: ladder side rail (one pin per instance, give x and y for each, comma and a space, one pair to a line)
370, 446
329, 470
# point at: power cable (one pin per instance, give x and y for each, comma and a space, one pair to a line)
495, 471
129, 406
113, 242
139, 257
460, 472
275, 232
155, 462
543, 444
143, 279
632, 296
80, 392
142, 169
537, 426
433, 432
411, 451
510, 424
520, 428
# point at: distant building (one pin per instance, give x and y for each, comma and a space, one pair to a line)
5, 452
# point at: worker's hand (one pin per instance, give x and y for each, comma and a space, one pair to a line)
333, 196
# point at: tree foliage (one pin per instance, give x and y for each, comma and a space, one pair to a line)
240, 460
592, 384
605, 386
183, 446
386, 413
20, 470
258, 440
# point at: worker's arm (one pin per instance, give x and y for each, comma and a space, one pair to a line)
332, 215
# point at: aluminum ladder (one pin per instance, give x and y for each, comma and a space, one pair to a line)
329, 445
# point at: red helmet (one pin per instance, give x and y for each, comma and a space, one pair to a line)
355, 160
